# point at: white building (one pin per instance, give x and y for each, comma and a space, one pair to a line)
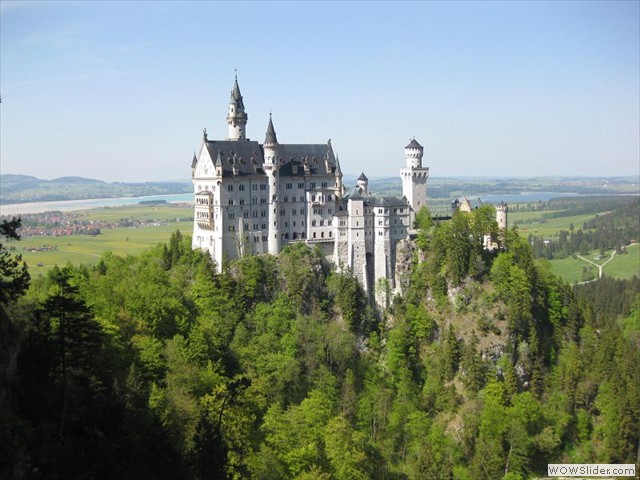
253, 198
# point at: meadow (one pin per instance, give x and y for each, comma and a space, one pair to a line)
571, 268
621, 266
86, 249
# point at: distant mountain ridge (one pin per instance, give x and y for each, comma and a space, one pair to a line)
26, 188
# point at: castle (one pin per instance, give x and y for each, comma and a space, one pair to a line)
253, 198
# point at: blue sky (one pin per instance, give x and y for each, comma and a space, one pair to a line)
121, 91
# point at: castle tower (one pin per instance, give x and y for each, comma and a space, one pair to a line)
236, 116
271, 169
339, 188
363, 183
414, 177
502, 211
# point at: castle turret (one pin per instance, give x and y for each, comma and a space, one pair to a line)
413, 154
339, 187
236, 116
502, 211
271, 169
414, 177
363, 183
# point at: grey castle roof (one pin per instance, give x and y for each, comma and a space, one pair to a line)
363, 177
248, 157
270, 137
414, 144
236, 97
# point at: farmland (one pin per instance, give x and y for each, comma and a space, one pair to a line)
43, 252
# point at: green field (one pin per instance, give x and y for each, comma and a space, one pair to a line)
87, 249
622, 266
546, 227
571, 268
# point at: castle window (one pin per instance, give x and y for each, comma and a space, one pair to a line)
254, 201
230, 215
255, 226
264, 238
294, 223
295, 235
324, 184
313, 223
313, 198
294, 211
286, 199
263, 201
255, 214
241, 187
263, 213
263, 186
230, 188
231, 201
282, 211
254, 186
331, 234
329, 210
246, 214
301, 198
329, 222
288, 186
242, 201
232, 228
312, 185
314, 234
322, 223
286, 236
301, 185
286, 224
322, 234
264, 226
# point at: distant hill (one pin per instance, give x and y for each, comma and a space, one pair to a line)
25, 188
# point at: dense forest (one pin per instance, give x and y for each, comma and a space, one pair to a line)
155, 366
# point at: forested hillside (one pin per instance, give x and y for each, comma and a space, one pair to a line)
154, 366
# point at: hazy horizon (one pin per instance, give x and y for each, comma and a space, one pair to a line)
491, 90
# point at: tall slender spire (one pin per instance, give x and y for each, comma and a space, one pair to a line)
236, 116
236, 96
270, 138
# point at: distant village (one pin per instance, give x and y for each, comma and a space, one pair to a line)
61, 224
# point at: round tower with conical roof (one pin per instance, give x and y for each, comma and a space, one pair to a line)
236, 116
270, 148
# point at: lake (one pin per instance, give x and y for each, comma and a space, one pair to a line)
72, 205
